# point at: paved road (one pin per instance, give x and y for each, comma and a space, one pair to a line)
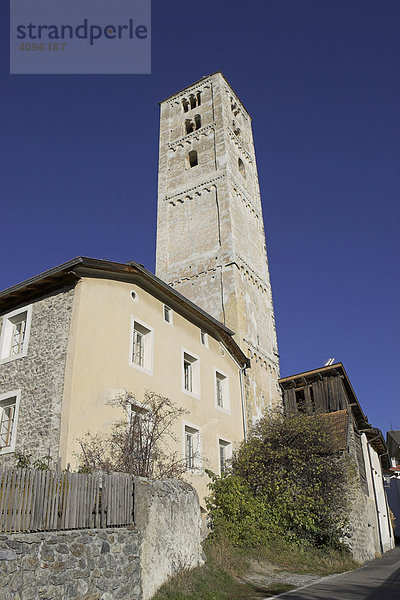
377, 580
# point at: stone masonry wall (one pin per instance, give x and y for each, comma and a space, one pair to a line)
127, 563
86, 565
40, 377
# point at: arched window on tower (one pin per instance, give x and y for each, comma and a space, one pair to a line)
189, 127
185, 105
193, 159
192, 100
236, 129
242, 169
195, 100
192, 124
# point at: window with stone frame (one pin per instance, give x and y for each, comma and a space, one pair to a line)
191, 374
193, 101
15, 334
192, 447
9, 403
221, 390
242, 168
141, 346
225, 454
193, 159
168, 314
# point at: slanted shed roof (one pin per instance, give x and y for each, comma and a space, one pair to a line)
71, 271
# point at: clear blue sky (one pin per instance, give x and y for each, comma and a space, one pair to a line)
321, 81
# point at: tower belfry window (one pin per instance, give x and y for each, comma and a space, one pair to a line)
193, 159
192, 124
234, 107
189, 126
195, 100
236, 129
242, 169
185, 105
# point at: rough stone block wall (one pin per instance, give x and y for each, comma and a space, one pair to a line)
127, 563
40, 377
85, 565
362, 535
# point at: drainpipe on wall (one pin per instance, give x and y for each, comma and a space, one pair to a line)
242, 371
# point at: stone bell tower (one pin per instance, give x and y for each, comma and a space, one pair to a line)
210, 231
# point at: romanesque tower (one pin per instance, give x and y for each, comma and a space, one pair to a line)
210, 231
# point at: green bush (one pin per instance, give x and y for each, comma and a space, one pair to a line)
287, 480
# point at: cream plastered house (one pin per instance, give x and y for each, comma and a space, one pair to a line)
75, 337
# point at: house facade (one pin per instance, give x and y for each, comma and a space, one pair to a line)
75, 338
328, 391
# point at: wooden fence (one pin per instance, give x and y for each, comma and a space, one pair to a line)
33, 500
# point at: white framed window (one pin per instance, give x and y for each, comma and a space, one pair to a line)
204, 338
15, 334
141, 347
9, 406
190, 374
222, 391
168, 314
191, 443
225, 454
139, 423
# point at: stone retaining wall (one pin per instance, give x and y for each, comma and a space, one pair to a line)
71, 564
128, 563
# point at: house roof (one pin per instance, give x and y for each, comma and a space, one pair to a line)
70, 272
373, 434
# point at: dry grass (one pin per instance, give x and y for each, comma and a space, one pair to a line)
220, 577
308, 560
217, 579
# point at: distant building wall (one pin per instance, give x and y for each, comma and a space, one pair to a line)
393, 492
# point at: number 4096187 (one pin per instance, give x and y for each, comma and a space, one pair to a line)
43, 47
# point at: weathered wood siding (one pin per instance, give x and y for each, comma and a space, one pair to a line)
320, 396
